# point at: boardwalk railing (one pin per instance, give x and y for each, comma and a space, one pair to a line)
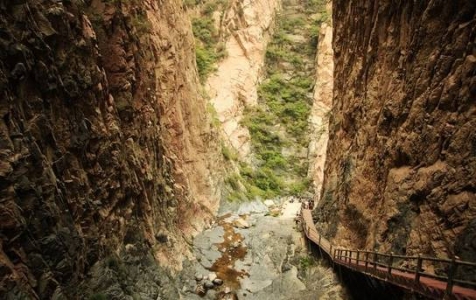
401, 270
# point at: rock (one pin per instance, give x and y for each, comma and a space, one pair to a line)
252, 207
409, 167
212, 276
162, 238
286, 267
19, 71
275, 212
200, 290
235, 244
240, 223
208, 284
269, 203
217, 281
227, 296
198, 277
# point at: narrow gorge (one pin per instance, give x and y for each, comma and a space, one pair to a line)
169, 149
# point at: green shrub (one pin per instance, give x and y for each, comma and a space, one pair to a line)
233, 181
236, 196
305, 262
253, 192
290, 24
215, 121
204, 30
273, 159
205, 61
228, 154
297, 188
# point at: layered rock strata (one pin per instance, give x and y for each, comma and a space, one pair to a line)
401, 164
105, 147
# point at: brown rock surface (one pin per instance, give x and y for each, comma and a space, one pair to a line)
104, 142
401, 168
322, 103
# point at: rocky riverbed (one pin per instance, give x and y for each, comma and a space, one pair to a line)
255, 251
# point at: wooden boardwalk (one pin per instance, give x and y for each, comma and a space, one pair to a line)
384, 267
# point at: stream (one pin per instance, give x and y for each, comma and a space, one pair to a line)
255, 251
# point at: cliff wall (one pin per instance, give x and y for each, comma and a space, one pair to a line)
105, 148
322, 103
248, 26
401, 164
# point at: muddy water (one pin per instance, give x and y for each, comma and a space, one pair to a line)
232, 250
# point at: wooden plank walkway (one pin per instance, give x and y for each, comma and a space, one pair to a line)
370, 263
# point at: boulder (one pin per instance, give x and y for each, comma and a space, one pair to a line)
212, 276
208, 284
240, 223
269, 203
198, 277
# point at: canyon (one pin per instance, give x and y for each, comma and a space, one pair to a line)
150, 146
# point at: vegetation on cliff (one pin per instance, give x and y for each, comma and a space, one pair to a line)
209, 48
278, 125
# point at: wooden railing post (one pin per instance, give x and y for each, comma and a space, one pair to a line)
418, 269
451, 275
366, 261
390, 263
319, 239
358, 254
350, 257
375, 261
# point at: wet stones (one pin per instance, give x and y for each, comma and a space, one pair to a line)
212, 276
198, 277
208, 284
205, 283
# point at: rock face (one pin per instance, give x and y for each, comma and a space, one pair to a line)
234, 85
401, 169
322, 103
105, 146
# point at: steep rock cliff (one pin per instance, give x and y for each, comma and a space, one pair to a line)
401, 169
322, 103
248, 27
105, 147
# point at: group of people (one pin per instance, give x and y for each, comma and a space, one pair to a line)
307, 204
